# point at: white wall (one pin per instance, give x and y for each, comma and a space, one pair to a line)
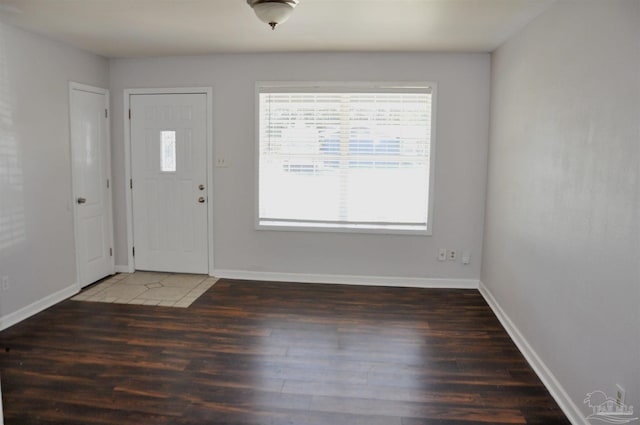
462, 138
36, 225
561, 252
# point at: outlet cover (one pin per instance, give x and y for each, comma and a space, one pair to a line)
466, 257
442, 254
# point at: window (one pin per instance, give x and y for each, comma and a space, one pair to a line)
355, 156
168, 151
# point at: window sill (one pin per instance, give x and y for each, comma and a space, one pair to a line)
350, 228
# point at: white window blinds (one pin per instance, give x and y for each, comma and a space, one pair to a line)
353, 157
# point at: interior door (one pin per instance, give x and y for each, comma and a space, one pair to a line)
169, 177
91, 172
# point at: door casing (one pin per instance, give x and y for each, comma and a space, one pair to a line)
109, 201
208, 92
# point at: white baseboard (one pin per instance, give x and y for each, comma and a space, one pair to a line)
406, 282
561, 397
123, 269
36, 307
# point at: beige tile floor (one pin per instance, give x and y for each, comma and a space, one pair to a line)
149, 288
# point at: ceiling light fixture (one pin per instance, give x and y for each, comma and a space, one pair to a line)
273, 12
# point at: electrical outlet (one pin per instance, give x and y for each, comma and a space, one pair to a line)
620, 395
453, 255
5, 283
442, 254
221, 162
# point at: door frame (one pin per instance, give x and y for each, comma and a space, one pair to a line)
74, 207
208, 92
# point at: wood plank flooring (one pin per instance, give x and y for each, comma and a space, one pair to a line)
273, 353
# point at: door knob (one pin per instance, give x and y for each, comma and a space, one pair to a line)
201, 187
201, 199
81, 200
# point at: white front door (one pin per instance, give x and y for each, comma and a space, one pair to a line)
169, 179
91, 182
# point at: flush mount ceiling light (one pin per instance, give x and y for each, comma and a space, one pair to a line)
273, 12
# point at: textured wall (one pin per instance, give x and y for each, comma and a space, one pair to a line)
36, 218
561, 248
462, 138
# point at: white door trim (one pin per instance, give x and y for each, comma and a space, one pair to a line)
98, 90
208, 91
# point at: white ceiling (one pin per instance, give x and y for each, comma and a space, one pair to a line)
131, 28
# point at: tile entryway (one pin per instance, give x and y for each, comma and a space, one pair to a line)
149, 288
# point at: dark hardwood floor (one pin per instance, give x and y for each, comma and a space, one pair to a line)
273, 353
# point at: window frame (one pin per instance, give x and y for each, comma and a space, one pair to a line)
347, 87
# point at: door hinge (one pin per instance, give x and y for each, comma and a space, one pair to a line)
107, 183
134, 251
110, 252
130, 183
106, 113
129, 113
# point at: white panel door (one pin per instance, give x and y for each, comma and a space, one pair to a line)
91, 182
169, 177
